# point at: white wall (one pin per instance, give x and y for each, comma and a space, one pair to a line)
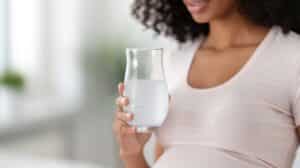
25, 33
3, 34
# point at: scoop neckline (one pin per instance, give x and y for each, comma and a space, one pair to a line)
263, 44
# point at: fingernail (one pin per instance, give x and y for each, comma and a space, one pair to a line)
128, 115
123, 101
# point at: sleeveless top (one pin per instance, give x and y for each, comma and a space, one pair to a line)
249, 121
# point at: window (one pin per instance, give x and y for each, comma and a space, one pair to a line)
3, 34
44, 40
25, 37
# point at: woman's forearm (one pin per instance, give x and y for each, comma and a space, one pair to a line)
136, 162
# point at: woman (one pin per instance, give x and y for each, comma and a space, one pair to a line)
234, 85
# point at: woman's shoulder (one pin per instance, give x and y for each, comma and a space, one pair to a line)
289, 41
285, 48
285, 54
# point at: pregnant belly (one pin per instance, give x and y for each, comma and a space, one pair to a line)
193, 156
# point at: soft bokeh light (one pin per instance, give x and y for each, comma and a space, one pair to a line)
71, 55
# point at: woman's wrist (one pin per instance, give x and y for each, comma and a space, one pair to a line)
135, 161
131, 155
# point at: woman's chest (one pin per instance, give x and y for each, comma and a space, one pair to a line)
210, 68
195, 114
243, 99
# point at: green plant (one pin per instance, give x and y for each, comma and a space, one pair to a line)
12, 79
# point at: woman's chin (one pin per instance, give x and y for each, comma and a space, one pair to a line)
201, 19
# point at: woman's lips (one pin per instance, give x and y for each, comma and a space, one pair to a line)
196, 6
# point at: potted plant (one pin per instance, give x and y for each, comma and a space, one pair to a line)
12, 80
12, 84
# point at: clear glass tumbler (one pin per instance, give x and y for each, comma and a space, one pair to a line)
146, 88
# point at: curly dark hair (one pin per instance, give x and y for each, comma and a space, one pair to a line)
171, 18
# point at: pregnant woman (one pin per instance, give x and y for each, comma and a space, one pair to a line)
234, 85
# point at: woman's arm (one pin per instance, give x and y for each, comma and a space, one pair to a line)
159, 150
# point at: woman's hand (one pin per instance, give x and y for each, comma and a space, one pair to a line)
131, 143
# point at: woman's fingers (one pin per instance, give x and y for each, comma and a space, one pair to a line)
122, 130
117, 127
125, 117
125, 131
121, 102
118, 124
121, 89
121, 120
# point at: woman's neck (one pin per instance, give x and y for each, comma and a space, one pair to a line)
234, 31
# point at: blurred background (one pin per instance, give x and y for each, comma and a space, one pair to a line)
60, 63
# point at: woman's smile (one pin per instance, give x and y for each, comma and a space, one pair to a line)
196, 6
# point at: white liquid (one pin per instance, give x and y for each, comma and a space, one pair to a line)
148, 101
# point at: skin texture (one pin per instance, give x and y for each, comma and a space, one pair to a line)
215, 9
231, 41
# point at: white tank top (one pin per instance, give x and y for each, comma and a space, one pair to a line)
247, 122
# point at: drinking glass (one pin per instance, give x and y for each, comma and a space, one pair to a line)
146, 88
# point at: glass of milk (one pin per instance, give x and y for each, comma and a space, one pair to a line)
146, 88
